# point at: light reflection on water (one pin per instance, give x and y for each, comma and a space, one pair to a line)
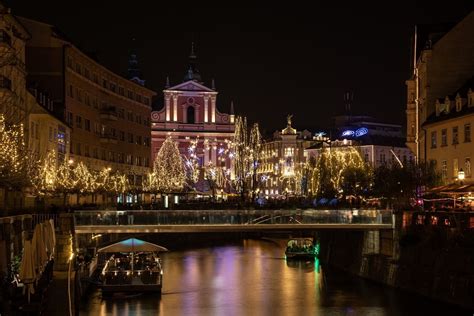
254, 278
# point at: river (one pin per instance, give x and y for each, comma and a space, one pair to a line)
252, 277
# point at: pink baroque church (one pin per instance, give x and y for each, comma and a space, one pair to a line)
191, 117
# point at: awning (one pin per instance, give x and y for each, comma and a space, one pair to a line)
133, 245
454, 188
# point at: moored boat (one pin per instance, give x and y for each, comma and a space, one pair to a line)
301, 248
133, 265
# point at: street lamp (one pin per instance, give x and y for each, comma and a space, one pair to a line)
461, 175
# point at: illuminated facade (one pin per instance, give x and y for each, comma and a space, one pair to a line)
282, 161
448, 132
442, 62
109, 115
191, 117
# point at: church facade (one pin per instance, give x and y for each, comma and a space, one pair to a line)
191, 117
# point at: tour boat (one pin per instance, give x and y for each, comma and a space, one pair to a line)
301, 248
133, 265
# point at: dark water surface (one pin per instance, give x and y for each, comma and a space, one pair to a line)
252, 277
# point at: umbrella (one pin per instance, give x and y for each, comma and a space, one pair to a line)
39, 248
27, 268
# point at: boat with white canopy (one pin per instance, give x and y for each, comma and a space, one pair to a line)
133, 265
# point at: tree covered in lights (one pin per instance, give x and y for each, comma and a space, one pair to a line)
16, 163
168, 170
246, 149
339, 169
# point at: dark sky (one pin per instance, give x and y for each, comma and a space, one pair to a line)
271, 60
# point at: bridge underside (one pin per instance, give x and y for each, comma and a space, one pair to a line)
216, 228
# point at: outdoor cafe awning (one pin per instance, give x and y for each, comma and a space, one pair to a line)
133, 245
454, 188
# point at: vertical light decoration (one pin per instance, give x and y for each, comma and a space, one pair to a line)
168, 170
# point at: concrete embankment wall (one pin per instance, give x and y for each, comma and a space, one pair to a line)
434, 262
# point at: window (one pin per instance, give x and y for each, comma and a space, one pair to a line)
139, 140
122, 136
104, 83
146, 141
78, 149
444, 169
87, 99
96, 128
95, 153
120, 90
130, 116
121, 157
95, 78
467, 166
113, 132
130, 94
138, 97
70, 118
433, 139
444, 137
146, 101
190, 115
79, 94
95, 104
86, 73
62, 139
130, 138
87, 125
146, 162
112, 87
78, 121
129, 159
455, 167
102, 154
5, 37
86, 150
121, 113
69, 62
111, 156
138, 161
78, 68
467, 133
70, 92
455, 135
382, 158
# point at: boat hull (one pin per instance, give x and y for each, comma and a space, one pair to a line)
300, 255
129, 288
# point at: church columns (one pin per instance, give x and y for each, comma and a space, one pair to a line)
167, 102
175, 108
206, 106
213, 109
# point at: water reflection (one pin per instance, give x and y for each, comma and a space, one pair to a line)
254, 278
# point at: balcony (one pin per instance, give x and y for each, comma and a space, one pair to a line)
108, 113
108, 138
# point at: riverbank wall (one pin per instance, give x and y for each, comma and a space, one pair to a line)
436, 261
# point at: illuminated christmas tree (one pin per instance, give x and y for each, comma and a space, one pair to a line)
168, 170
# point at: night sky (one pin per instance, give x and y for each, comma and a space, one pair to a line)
270, 60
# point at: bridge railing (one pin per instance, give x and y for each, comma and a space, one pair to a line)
231, 217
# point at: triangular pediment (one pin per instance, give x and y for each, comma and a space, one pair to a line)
190, 86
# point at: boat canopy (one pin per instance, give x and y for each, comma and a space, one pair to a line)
132, 245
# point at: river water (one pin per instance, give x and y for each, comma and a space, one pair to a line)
252, 277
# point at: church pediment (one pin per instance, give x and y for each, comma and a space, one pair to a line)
190, 86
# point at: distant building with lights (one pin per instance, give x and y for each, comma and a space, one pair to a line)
379, 143
283, 158
190, 115
109, 115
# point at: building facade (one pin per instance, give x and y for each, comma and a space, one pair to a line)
191, 117
443, 60
448, 133
282, 161
109, 115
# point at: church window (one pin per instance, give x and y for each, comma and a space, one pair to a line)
190, 114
